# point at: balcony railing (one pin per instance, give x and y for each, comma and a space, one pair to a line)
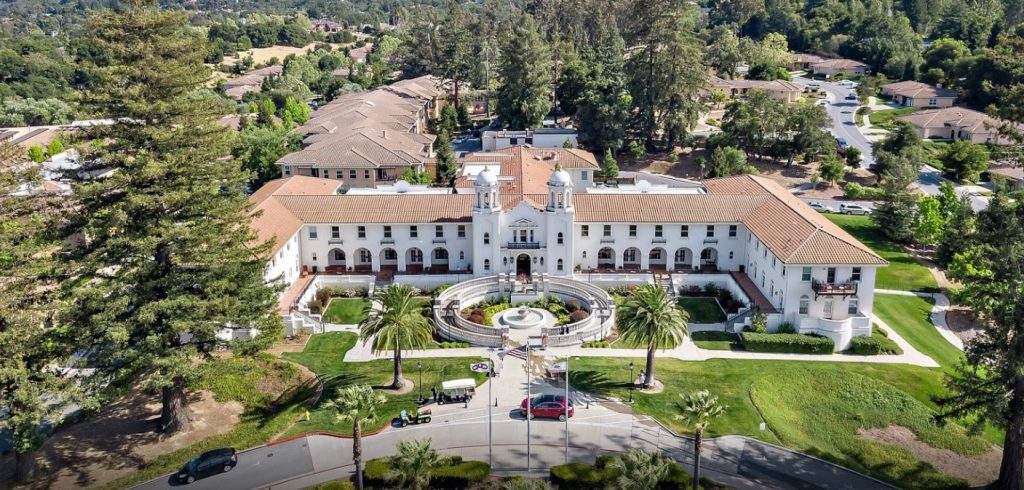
387, 241
834, 288
607, 239
658, 239
522, 245
335, 241
439, 240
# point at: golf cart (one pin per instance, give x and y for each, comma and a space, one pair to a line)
416, 417
456, 390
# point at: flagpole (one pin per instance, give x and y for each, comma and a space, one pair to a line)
490, 428
529, 409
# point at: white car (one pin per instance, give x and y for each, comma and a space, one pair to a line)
854, 209
847, 83
821, 208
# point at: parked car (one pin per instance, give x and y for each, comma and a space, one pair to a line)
851, 96
821, 208
822, 102
209, 463
548, 406
853, 209
841, 142
847, 83
813, 85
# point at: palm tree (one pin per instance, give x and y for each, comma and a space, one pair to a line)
638, 470
394, 322
357, 404
651, 318
412, 466
697, 410
520, 483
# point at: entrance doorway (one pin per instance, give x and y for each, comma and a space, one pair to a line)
523, 265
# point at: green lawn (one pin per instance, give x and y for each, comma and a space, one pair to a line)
903, 272
885, 117
323, 355
702, 310
346, 310
909, 317
817, 410
716, 340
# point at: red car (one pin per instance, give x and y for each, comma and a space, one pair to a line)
550, 406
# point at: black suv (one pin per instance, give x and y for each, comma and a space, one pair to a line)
208, 463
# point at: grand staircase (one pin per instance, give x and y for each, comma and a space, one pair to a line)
664, 280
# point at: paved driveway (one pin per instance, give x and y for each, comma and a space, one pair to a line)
842, 112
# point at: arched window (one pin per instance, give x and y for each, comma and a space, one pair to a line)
730, 255
561, 239
487, 265
584, 254
504, 261
542, 261
440, 254
314, 256
560, 265
338, 255
462, 255
805, 304
487, 238
365, 256
390, 254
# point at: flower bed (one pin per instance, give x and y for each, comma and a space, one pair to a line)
565, 312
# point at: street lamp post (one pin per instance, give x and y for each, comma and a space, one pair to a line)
631, 382
419, 366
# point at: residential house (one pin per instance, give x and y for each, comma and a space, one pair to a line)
778, 89
803, 61
957, 123
359, 54
325, 26
250, 82
911, 93
1012, 174
832, 67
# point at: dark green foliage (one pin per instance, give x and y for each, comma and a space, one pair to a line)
875, 344
446, 164
257, 148
170, 248
579, 476
856, 191
525, 73
786, 343
595, 344
460, 475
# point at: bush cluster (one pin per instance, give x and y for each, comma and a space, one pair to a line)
854, 190
578, 315
572, 306
596, 344
623, 291
786, 343
454, 473
787, 327
583, 476
454, 345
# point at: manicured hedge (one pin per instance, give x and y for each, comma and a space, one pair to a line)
375, 470
337, 485
877, 343
786, 343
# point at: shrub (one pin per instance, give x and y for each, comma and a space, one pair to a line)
375, 471
759, 324
596, 344
578, 315
563, 319
572, 306
677, 477
440, 289
460, 475
692, 290
711, 289
477, 319
854, 190
787, 327
786, 343
577, 476
337, 485
877, 343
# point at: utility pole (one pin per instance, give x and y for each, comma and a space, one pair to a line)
566, 409
490, 398
529, 409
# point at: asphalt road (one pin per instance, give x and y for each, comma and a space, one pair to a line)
597, 428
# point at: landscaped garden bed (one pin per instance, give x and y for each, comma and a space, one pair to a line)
565, 312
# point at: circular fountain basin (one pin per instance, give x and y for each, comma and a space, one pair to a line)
522, 318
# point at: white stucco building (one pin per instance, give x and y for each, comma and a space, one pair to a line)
526, 212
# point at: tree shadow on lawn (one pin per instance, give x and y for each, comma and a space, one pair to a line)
595, 382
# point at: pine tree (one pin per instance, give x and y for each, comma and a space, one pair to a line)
446, 164
524, 97
609, 167
989, 386
169, 258
955, 237
27, 377
455, 61
896, 214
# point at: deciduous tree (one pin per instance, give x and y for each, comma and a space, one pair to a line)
964, 161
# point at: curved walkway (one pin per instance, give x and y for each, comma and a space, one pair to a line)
938, 316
